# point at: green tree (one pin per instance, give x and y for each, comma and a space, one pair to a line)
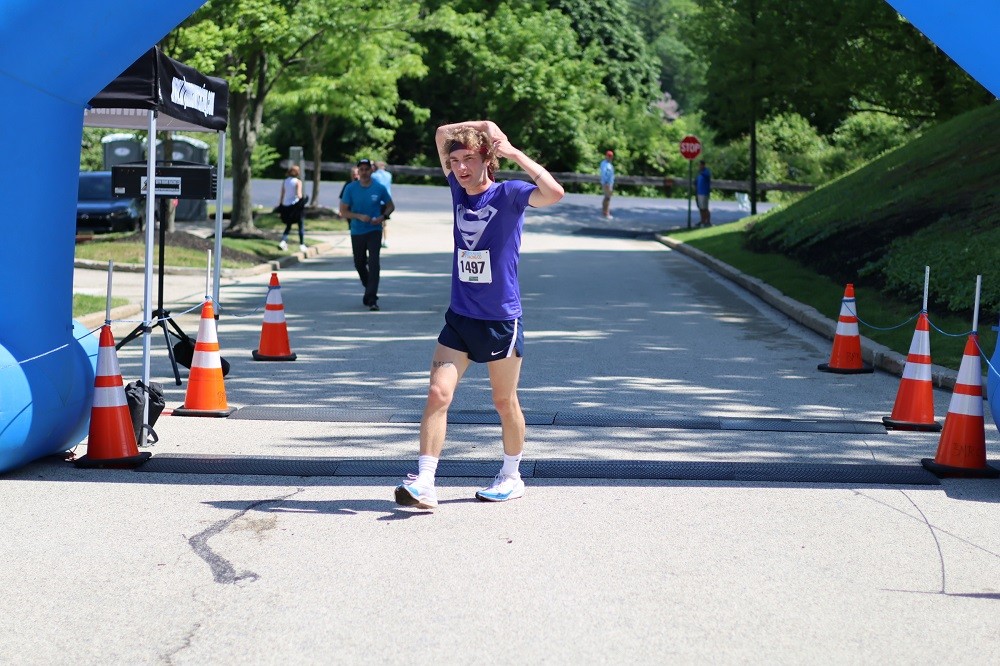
663, 24
254, 44
607, 26
823, 61
542, 70
515, 64
540, 82
354, 83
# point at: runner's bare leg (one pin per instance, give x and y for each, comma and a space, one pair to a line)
447, 367
504, 376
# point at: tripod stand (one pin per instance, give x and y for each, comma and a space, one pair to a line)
185, 345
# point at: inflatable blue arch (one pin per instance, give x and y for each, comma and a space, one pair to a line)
53, 60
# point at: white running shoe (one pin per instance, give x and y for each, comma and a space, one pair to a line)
303, 248
282, 245
414, 492
503, 488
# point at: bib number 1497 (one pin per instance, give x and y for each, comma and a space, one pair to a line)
474, 266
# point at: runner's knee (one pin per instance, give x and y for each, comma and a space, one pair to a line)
507, 405
439, 396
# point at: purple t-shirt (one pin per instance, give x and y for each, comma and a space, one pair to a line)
491, 221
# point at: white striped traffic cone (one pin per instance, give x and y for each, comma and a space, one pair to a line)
111, 441
914, 408
845, 358
962, 447
274, 345
206, 391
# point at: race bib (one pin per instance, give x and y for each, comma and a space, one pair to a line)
474, 266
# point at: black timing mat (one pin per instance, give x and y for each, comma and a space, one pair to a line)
765, 472
595, 418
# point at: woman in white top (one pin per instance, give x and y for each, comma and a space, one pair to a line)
291, 206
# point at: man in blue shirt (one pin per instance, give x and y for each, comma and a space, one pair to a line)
483, 323
702, 190
607, 169
367, 205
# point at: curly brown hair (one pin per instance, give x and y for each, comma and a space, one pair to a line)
477, 142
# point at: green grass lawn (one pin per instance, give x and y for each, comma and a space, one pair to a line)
125, 248
272, 222
875, 309
84, 304
131, 252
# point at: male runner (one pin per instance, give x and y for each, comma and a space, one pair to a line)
483, 322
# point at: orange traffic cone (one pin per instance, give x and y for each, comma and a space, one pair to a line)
914, 408
206, 392
962, 448
274, 344
845, 358
111, 442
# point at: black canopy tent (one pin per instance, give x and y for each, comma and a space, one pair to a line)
183, 97
158, 92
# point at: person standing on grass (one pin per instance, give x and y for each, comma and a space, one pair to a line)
366, 204
702, 190
483, 323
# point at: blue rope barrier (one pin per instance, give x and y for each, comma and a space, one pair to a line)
256, 310
152, 323
879, 328
51, 351
892, 328
950, 335
982, 353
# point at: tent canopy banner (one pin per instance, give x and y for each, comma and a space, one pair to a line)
183, 97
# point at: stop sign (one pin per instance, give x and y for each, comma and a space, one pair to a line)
690, 147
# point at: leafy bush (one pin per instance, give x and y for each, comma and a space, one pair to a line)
931, 202
956, 251
91, 150
789, 149
799, 149
864, 136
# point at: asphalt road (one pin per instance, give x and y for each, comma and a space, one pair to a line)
639, 351
433, 199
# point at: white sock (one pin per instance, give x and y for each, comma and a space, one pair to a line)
511, 465
427, 468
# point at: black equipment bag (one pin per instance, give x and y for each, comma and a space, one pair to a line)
184, 354
133, 394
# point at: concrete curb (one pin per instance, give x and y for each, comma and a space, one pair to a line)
878, 355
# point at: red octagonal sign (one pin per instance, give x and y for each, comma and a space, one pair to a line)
690, 147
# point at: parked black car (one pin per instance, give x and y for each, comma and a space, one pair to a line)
98, 211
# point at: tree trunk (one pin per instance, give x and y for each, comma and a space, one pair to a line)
167, 213
243, 141
317, 130
165, 205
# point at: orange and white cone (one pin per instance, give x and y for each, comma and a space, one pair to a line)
206, 391
845, 358
111, 442
962, 447
274, 345
914, 408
